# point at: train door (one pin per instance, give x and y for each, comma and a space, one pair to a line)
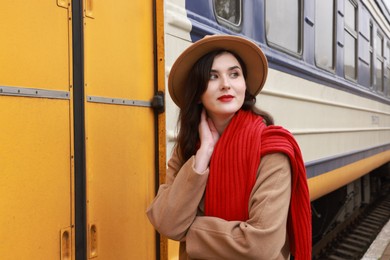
119, 128
36, 173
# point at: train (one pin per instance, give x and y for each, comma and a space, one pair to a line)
87, 125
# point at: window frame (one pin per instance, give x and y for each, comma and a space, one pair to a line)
372, 57
226, 23
300, 32
333, 43
386, 74
379, 56
354, 34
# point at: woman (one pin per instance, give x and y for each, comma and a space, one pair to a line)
236, 185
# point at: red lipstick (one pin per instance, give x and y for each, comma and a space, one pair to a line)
225, 98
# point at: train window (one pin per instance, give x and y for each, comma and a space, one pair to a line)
229, 13
350, 40
324, 34
387, 78
371, 48
379, 63
283, 24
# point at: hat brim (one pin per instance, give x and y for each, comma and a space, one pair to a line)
253, 57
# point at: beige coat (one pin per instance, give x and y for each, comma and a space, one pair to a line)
177, 213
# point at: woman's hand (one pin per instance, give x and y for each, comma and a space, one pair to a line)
209, 136
207, 131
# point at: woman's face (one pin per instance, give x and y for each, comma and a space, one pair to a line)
225, 91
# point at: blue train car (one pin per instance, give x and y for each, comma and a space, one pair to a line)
329, 84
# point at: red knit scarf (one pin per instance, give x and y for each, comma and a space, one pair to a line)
233, 170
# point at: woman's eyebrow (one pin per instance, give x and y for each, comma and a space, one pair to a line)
230, 68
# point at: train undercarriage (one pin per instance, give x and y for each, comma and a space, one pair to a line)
346, 221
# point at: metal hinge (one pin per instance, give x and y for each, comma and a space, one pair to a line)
158, 103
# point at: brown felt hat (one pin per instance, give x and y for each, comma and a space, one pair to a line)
250, 53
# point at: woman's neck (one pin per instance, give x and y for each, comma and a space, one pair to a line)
221, 122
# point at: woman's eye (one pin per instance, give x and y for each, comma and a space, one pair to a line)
213, 76
234, 74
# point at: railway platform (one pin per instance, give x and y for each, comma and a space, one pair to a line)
380, 248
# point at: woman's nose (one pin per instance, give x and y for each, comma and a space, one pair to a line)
225, 84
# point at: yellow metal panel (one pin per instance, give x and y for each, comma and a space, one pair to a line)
120, 145
120, 183
34, 45
36, 136
35, 193
119, 49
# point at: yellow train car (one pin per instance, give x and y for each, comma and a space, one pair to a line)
80, 128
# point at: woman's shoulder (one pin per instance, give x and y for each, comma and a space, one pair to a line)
277, 158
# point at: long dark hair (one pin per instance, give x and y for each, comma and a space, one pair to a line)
189, 116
